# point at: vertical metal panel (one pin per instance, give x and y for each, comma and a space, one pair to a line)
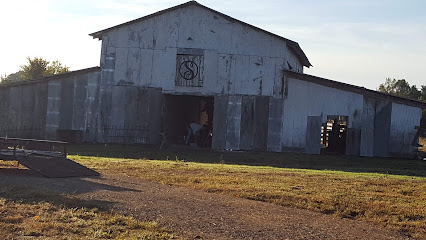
92, 107
367, 127
353, 141
105, 106
256, 80
313, 135
67, 102
240, 75
247, 123
261, 118
233, 123
142, 108
129, 106
79, 103
40, 107
145, 67
220, 122
186, 20
275, 125
224, 66
121, 63
155, 111
4, 113
210, 70
53, 115
15, 109
382, 124
133, 63
27, 112
117, 106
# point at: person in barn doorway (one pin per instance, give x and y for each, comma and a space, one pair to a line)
194, 130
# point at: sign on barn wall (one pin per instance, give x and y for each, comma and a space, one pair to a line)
189, 70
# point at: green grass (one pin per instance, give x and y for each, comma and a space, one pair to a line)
388, 192
26, 213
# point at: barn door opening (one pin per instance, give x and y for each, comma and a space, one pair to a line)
333, 134
179, 111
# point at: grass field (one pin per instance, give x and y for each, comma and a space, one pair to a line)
28, 213
388, 192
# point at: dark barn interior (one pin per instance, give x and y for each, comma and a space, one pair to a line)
181, 110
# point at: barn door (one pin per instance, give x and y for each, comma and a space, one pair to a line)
353, 141
313, 135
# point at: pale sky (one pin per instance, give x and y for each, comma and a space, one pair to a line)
360, 42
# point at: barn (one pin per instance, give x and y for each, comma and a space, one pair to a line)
190, 63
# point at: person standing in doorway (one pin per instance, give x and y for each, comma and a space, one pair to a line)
194, 129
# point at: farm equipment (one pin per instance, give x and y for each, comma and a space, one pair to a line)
46, 157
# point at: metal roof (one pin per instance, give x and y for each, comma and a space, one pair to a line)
355, 89
294, 46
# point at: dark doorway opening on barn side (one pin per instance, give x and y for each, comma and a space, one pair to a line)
179, 111
333, 134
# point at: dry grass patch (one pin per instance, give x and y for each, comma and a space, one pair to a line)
29, 213
397, 202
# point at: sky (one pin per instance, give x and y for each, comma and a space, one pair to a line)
360, 42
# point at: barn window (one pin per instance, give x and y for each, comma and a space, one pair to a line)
189, 70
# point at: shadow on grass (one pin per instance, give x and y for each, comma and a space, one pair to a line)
393, 166
27, 186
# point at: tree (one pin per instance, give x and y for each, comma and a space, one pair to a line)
36, 67
423, 92
402, 88
39, 67
10, 78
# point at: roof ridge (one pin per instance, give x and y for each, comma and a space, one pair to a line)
292, 44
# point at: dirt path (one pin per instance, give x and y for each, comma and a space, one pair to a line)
196, 214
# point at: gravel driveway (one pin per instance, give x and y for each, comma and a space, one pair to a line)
195, 214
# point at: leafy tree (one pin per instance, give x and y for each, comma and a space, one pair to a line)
36, 67
423, 92
10, 78
39, 67
401, 88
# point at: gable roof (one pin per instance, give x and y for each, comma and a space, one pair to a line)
355, 89
293, 46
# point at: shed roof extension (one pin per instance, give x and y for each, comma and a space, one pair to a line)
353, 88
294, 46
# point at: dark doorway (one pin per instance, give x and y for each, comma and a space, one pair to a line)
333, 134
181, 110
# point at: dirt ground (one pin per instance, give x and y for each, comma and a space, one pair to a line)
194, 214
